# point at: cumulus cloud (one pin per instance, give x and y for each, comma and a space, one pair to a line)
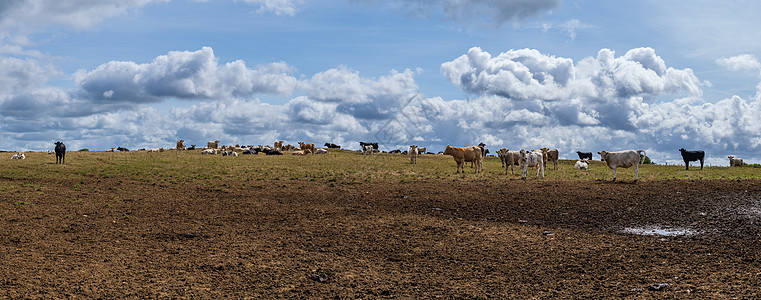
182, 75
743, 62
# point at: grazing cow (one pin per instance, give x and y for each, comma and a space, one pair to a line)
18, 156
122, 149
582, 165
209, 151
550, 155
413, 154
464, 154
531, 159
584, 155
320, 151
306, 146
735, 162
181, 145
213, 145
510, 159
623, 159
332, 146
60, 152
302, 152
689, 156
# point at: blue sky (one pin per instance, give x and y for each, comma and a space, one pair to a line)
572, 75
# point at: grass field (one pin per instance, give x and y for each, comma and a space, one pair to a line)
191, 166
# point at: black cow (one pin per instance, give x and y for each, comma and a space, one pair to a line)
583, 155
363, 144
689, 156
332, 146
60, 152
122, 149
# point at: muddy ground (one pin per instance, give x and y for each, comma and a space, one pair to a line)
462, 238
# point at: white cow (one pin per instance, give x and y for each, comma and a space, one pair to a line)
533, 159
18, 156
581, 165
209, 151
735, 162
413, 154
367, 150
623, 159
320, 151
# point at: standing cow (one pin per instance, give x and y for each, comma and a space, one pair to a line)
735, 162
531, 159
60, 152
623, 159
689, 156
413, 154
464, 154
584, 155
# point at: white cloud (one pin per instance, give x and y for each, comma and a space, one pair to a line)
278, 7
743, 62
182, 75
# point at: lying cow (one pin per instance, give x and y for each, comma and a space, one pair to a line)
735, 162
623, 159
581, 165
689, 156
464, 154
332, 146
531, 159
367, 150
18, 156
584, 155
320, 151
304, 152
209, 151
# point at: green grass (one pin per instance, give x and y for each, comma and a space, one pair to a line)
83, 170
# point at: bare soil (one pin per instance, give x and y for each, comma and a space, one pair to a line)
464, 238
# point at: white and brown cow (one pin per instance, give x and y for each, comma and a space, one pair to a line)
531, 159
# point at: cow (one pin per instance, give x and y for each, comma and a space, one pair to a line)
209, 151
111, 150
301, 152
156, 149
413, 154
332, 146
122, 149
421, 150
367, 150
363, 144
320, 151
278, 145
623, 159
531, 159
18, 156
213, 145
464, 154
552, 156
735, 162
230, 153
60, 152
306, 146
581, 165
584, 155
510, 159
689, 156
250, 151
181, 145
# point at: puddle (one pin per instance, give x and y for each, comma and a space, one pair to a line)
660, 231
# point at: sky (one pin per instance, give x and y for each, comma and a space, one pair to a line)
572, 75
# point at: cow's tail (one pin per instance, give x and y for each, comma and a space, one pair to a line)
642, 155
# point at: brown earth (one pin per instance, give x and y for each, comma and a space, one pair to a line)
381, 239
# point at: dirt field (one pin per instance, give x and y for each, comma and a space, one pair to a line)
467, 238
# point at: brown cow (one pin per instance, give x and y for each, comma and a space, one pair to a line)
302, 152
463, 154
305, 146
510, 159
181, 145
551, 155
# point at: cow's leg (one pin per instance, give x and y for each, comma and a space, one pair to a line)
687, 165
614, 174
636, 172
701, 163
543, 171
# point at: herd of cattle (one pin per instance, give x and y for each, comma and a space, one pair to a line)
524, 159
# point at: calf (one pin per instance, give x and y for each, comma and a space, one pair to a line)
18, 156
581, 165
584, 155
689, 156
623, 159
735, 162
60, 152
510, 159
413, 154
533, 159
552, 156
